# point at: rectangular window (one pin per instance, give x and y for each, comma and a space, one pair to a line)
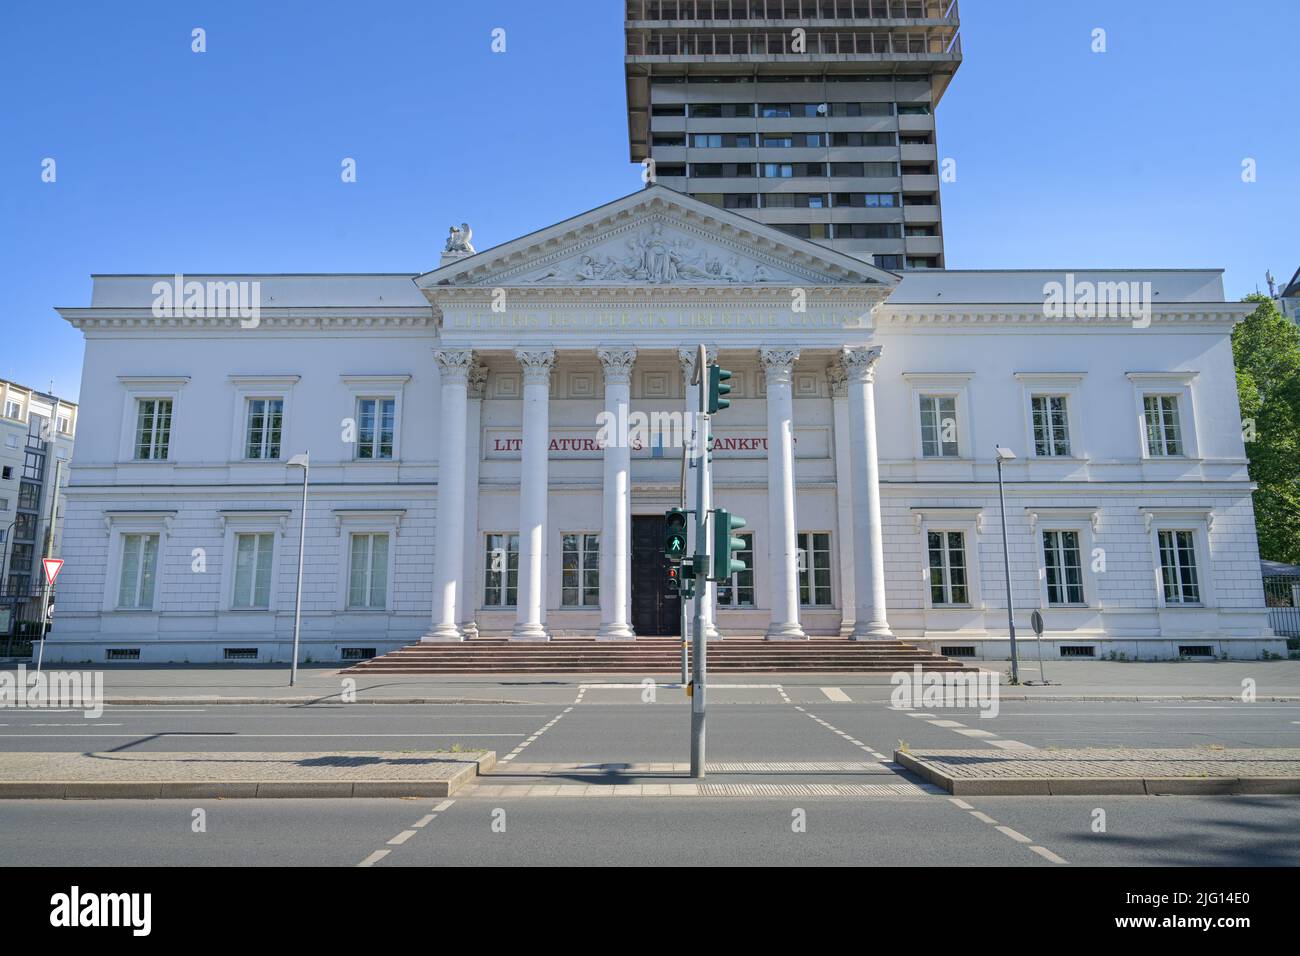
153, 428
948, 586
1062, 560
29, 496
253, 554
580, 570
14, 410
738, 591
65, 424
1051, 426
375, 428
814, 564
25, 526
368, 572
501, 571
265, 424
1178, 567
1164, 431
938, 426
135, 590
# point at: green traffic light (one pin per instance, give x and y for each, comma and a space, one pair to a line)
675, 535
717, 388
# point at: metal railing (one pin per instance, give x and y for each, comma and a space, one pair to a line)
940, 42
706, 10
1282, 598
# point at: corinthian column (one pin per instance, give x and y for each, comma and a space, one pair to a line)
869, 551
449, 538
782, 531
688, 358
616, 528
534, 482
838, 378
473, 455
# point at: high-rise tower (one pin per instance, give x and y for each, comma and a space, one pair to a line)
814, 116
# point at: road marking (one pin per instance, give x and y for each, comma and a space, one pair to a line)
1012, 745
947, 723
445, 805
983, 818
401, 838
233, 734
967, 732
1014, 834
750, 790
837, 695
374, 858
1047, 854
960, 803
424, 821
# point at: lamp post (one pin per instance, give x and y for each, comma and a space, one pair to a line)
1006, 454
302, 461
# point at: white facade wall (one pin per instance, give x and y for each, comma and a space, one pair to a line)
324, 341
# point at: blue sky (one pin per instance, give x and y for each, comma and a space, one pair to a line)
172, 161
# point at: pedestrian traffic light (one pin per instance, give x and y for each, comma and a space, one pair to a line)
724, 543
673, 585
675, 535
717, 388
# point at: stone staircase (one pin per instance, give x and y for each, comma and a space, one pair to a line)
653, 656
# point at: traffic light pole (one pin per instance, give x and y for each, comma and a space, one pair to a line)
701, 566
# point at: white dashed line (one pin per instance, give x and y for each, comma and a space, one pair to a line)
374, 858
401, 838
1048, 855
837, 695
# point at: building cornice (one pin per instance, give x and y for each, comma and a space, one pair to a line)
1210, 315
283, 319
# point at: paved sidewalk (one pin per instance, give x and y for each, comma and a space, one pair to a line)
269, 684
160, 775
1095, 770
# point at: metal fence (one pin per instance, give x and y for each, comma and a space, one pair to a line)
1282, 597
20, 620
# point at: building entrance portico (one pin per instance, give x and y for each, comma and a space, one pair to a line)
588, 333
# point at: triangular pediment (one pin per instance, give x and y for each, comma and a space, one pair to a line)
657, 237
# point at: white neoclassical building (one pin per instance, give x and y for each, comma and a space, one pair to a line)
461, 484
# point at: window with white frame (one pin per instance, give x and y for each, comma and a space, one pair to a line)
252, 578
580, 570
65, 424
948, 582
14, 410
1051, 421
1063, 564
738, 590
263, 429
139, 571
368, 571
814, 566
1164, 430
1178, 573
153, 428
939, 426
376, 423
501, 570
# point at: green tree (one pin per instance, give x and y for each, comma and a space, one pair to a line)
1266, 349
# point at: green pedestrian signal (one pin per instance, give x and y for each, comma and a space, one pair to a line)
725, 542
718, 377
675, 535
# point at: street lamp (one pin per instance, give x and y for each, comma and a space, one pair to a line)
1006, 454
302, 461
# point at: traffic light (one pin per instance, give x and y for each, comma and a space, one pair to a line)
675, 535
717, 388
673, 585
724, 543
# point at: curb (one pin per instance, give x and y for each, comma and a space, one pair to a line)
1099, 786
1156, 698
173, 701
251, 789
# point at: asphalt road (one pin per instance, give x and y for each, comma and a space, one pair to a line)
748, 722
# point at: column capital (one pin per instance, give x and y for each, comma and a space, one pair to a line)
455, 365
688, 358
838, 379
478, 376
617, 363
537, 364
860, 363
778, 362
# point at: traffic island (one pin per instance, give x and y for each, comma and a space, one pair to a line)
121, 775
1201, 771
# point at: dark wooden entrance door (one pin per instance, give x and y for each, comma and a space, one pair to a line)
654, 613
